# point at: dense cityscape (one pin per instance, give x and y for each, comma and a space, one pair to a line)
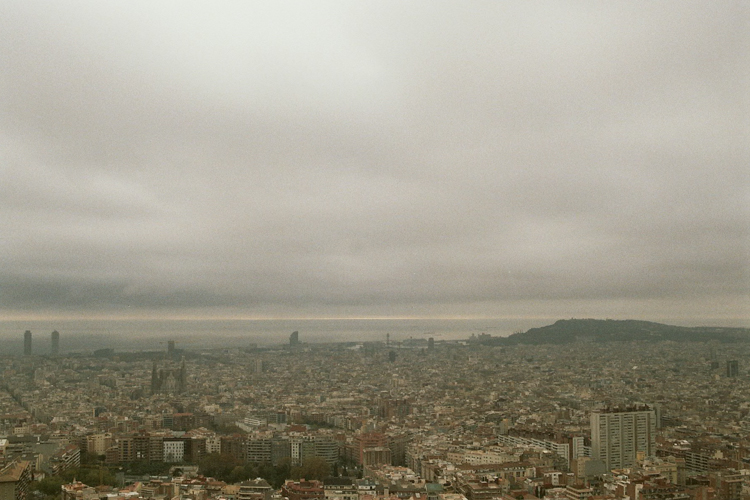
347, 250
414, 419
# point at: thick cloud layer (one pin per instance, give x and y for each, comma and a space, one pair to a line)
375, 159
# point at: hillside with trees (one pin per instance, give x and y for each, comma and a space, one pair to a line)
597, 330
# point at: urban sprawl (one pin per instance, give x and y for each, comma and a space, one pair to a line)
417, 419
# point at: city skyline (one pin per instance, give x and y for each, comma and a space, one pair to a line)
282, 160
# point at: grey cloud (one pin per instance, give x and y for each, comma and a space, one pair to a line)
416, 159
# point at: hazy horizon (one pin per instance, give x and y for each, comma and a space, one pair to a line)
145, 335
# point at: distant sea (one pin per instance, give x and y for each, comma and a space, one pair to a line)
145, 335
151, 335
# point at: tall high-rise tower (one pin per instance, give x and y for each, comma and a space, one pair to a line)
27, 343
619, 434
54, 347
294, 339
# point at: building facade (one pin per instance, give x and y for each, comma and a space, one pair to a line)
54, 348
14, 480
27, 343
618, 435
169, 380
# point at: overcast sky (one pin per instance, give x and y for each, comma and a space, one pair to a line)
375, 159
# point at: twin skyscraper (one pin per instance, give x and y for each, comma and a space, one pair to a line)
54, 343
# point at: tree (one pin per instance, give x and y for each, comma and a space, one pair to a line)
238, 475
50, 486
143, 467
274, 474
312, 468
91, 476
218, 466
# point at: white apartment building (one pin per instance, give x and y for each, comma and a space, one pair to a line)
618, 435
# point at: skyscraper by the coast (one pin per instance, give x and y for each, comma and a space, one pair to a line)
27, 343
54, 347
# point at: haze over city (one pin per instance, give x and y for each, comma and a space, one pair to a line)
374, 250
374, 160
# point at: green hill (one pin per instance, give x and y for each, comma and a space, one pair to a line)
566, 331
